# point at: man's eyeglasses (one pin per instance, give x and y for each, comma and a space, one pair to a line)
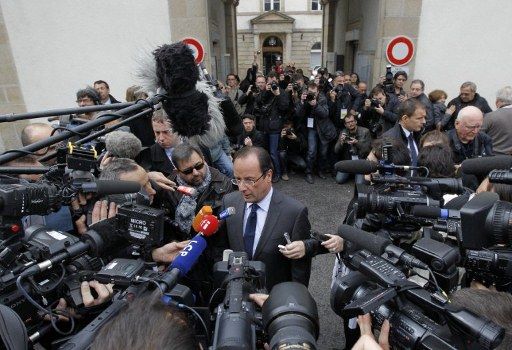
190, 170
472, 127
248, 183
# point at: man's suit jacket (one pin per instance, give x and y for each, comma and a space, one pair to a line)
398, 134
285, 214
155, 159
498, 125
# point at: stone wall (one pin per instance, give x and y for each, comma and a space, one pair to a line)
11, 99
301, 50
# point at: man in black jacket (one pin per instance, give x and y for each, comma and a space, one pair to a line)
418, 93
467, 97
466, 140
379, 111
250, 136
103, 90
342, 100
158, 156
313, 113
270, 107
408, 129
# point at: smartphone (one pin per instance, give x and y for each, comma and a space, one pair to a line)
319, 236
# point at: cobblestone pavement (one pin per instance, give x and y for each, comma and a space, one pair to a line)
327, 203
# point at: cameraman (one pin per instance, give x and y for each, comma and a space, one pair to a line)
354, 140
313, 113
270, 105
379, 113
399, 80
250, 136
291, 149
343, 99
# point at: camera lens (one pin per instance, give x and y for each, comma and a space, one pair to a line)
499, 223
290, 317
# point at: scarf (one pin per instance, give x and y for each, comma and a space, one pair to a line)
186, 208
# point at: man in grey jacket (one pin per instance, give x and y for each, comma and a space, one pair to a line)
498, 124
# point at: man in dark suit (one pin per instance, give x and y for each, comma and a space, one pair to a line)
411, 121
263, 215
158, 156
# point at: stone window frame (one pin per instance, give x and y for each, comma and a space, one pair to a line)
281, 5
319, 4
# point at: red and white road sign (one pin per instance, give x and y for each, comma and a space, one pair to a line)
196, 47
400, 50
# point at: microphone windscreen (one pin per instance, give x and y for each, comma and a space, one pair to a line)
357, 166
482, 166
425, 211
188, 257
209, 225
106, 187
187, 191
364, 240
206, 209
122, 144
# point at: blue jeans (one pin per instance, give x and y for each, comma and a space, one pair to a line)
224, 165
313, 144
273, 145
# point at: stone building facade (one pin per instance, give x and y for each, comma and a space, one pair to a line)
453, 41
290, 29
97, 39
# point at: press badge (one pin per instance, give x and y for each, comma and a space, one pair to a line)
343, 113
310, 122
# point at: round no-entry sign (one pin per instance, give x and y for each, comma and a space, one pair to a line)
400, 50
196, 48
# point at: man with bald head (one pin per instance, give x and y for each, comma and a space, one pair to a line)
36, 132
466, 140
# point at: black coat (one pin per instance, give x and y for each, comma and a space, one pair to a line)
398, 134
448, 121
320, 113
270, 111
154, 159
372, 120
481, 146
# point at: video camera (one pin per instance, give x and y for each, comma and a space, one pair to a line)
421, 318
289, 316
388, 84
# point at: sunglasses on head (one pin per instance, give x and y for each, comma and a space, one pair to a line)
189, 171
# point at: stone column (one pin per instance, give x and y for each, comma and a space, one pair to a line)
257, 46
287, 49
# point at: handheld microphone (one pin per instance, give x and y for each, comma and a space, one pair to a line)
205, 210
187, 191
189, 255
106, 187
425, 211
361, 166
482, 166
227, 213
378, 245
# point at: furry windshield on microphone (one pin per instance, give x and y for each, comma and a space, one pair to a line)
193, 109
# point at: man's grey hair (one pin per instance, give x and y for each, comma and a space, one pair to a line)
470, 85
122, 144
504, 95
117, 167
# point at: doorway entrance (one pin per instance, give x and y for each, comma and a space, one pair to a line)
272, 50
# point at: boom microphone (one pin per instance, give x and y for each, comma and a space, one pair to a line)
187, 258
482, 166
122, 144
361, 166
378, 245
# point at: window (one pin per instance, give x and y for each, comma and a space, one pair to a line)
315, 5
272, 5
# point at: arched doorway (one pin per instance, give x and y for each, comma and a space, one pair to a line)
272, 50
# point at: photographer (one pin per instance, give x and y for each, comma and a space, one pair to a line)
250, 136
379, 113
399, 80
313, 113
270, 107
354, 140
343, 99
232, 90
291, 149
